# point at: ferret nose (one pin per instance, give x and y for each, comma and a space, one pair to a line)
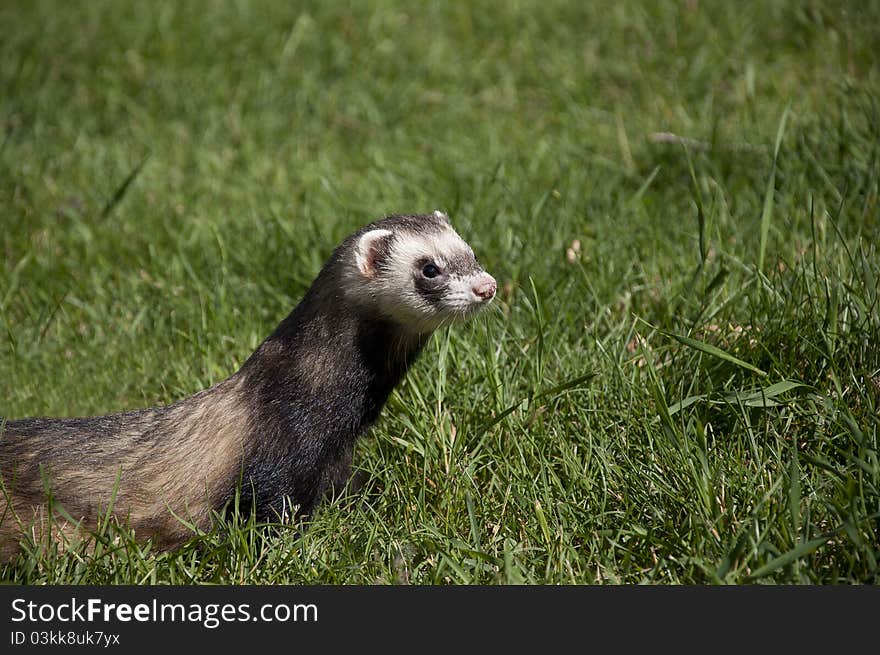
484, 289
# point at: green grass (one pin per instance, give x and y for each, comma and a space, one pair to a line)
681, 377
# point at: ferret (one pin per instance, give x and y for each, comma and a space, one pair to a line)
281, 430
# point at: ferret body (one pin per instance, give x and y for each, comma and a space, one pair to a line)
282, 428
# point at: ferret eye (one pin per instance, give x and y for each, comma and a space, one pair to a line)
430, 270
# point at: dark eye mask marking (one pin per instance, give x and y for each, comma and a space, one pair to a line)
432, 290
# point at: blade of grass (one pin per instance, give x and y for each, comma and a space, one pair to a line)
767, 210
714, 351
122, 189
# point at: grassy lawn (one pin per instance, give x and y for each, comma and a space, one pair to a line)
680, 379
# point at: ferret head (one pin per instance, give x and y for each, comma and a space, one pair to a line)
417, 271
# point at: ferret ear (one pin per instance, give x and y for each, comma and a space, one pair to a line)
440, 216
370, 248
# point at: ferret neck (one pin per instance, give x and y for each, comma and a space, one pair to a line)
325, 347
